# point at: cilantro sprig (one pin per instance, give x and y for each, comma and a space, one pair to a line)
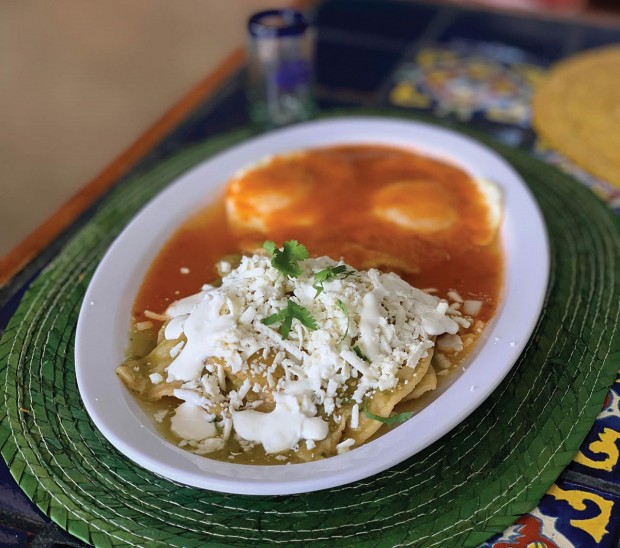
327, 274
286, 260
293, 311
390, 421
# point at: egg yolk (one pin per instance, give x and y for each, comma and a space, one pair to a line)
254, 203
424, 207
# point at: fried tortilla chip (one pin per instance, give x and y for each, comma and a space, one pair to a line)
256, 377
427, 383
327, 446
382, 403
135, 373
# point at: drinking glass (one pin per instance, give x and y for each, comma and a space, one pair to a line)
280, 68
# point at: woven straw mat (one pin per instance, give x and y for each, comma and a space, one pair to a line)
470, 484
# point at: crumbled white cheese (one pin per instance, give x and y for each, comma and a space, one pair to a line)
154, 316
156, 378
388, 325
345, 445
472, 308
450, 343
441, 360
355, 416
462, 322
160, 415
176, 349
209, 445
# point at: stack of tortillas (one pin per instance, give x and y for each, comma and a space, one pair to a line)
577, 111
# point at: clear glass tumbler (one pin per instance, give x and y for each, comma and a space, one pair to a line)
280, 68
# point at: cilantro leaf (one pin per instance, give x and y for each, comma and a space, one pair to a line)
270, 246
293, 311
390, 421
330, 273
345, 311
359, 353
274, 318
302, 314
285, 260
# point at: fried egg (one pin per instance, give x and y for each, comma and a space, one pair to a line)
255, 203
421, 206
361, 187
492, 199
428, 207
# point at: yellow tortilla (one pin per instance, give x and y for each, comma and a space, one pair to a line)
427, 382
576, 110
412, 382
382, 403
135, 373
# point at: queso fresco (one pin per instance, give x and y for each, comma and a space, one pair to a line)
343, 284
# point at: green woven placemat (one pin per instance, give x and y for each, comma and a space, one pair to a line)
472, 483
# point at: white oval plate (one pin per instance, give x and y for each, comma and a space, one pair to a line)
104, 320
